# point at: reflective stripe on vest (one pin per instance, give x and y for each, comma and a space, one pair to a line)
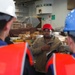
64, 64
30, 57
12, 59
50, 61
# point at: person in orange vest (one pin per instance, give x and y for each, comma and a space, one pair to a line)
64, 64
15, 56
42, 46
16, 59
7, 17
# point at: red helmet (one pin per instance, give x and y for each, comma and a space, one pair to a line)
47, 26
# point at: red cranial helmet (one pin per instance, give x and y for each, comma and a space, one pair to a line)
47, 26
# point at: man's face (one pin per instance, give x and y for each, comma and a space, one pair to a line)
70, 43
8, 26
46, 33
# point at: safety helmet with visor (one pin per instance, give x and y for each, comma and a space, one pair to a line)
70, 23
8, 7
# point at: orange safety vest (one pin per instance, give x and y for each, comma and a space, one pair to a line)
12, 59
63, 64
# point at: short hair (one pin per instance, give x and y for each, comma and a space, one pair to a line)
4, 18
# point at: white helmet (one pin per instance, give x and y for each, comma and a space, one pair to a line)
8, 7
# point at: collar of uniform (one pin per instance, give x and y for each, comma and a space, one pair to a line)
73, 55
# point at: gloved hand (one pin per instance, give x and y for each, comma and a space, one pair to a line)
45, 47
